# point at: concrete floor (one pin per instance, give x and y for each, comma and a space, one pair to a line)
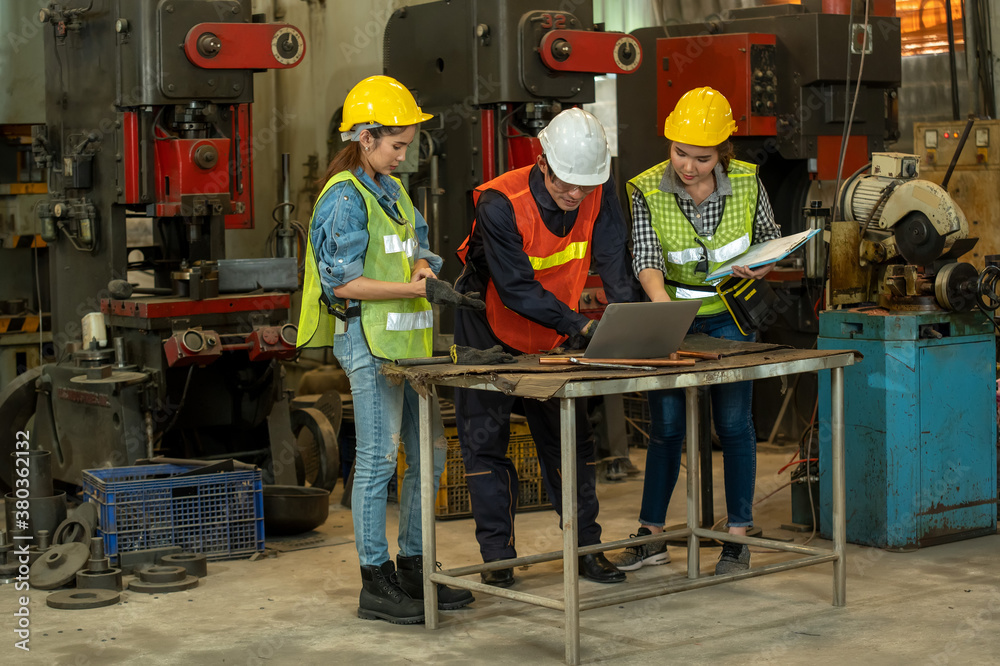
939, 605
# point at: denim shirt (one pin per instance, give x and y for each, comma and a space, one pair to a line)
339, 230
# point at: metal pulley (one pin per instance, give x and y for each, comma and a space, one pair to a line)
955, 287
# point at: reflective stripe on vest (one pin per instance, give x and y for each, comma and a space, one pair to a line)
718, 255
394, 328
574, 251
677, 235
410, 321
394, 244
560, 263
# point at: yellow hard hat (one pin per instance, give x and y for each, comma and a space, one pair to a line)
382, 100
702, 117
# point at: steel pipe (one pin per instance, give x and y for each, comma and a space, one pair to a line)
838, 478
570, 483
428, 534
506, 593
693, 481
680, 585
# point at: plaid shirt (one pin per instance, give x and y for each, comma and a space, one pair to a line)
704, 217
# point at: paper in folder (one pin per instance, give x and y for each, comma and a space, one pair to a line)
764, 253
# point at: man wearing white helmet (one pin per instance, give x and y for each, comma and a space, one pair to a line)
538, 231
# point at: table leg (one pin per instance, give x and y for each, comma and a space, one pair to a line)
705, 457
693, 484
571, 581
839, 504
427, 510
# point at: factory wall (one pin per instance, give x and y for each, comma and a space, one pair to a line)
293, 107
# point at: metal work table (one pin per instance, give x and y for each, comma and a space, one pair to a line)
526, 378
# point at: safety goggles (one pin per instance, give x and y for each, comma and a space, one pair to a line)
565, 188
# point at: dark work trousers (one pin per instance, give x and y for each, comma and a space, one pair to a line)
484, 434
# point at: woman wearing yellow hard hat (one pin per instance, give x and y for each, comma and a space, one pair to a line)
691, 213
370, 279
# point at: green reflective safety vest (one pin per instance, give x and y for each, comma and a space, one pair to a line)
394, 328
681, 252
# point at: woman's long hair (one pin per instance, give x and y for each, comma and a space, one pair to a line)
349, 157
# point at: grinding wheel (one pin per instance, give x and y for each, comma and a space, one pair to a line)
58, 565
154, 588
82, 599
917, 239
196, 564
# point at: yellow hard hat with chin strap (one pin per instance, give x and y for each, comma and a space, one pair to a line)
702, 117
381, 100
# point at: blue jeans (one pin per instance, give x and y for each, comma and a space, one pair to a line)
731, 412
384, 414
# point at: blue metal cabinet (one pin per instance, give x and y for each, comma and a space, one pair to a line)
920, 418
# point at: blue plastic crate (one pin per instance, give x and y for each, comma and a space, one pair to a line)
220, 514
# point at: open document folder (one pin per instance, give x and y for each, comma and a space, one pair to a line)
764, 253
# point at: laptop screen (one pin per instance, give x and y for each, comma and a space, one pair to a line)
642, 330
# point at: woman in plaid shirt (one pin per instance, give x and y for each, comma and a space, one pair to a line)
691, 213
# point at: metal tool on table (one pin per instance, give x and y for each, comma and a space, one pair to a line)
430, 360
618, 363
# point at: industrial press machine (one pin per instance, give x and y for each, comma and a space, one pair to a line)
773, 63
148, 125
492, 88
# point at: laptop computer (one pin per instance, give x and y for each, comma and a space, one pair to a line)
642, 330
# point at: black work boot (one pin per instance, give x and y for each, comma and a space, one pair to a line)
411, 579
383, 599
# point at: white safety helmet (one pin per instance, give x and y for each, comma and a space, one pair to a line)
576, 148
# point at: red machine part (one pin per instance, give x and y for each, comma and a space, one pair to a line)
593, 300
244, 45
587, 51
828, 154
522, 151
130, 129
242, 192
726, 63
487, 133
191, 167
270, 342
163, 308
192, 347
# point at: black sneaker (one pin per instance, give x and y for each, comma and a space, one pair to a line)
735, 557
636, 557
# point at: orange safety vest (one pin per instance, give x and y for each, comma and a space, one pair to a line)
561, 264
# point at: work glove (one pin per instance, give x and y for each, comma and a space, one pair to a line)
472, 356
581, 340
442, 293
